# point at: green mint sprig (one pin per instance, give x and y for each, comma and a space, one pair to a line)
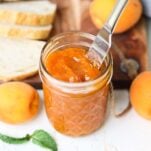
12, 140
39, 137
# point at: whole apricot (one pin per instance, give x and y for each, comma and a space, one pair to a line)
140, 94
19, 102
100, 10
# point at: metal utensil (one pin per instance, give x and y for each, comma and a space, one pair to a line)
102, 42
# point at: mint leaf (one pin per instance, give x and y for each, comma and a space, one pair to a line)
42, 138
39, 137
14, 140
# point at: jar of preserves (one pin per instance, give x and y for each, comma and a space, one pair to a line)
75, 91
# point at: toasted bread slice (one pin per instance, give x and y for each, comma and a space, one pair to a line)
19, 58
35, 13
22, 31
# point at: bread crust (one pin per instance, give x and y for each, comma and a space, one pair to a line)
26, 18
12, 31
20, 76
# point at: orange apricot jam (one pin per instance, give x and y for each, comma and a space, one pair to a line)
71, 65
75, 90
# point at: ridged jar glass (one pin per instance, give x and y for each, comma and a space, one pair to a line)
75, 108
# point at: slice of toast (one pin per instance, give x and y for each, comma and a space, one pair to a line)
35, 13
22, 31
19, 58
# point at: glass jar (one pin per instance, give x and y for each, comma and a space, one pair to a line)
75, 108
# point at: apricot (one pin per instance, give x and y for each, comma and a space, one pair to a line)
140, 94
19, 102
100, 10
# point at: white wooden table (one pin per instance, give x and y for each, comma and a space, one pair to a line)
128, 133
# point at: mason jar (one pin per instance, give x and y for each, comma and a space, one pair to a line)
75, 108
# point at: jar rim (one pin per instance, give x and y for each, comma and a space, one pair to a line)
72, 84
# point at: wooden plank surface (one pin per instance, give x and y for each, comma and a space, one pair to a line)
132, 44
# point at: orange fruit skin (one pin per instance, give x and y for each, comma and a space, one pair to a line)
140, 94
100, 10
19, 102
